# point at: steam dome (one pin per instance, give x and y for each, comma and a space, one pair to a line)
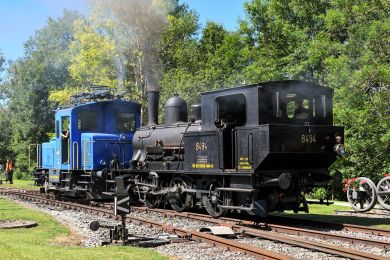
175, 110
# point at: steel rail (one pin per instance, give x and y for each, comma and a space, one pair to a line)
248, 227
284, 228
317, 246
331, 225
277, 220
258, 253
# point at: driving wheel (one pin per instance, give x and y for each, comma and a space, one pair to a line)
179, 199
152, 200
213, 200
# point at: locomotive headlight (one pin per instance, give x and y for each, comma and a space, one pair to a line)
122, 137
103, 162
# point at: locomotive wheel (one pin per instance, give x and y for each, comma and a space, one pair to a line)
151, 200
214, 199
383, 190
179, 200
362, 197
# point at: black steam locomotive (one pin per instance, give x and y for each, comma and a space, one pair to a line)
257, 148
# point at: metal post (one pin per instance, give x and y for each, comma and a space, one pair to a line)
38, 155
124, 239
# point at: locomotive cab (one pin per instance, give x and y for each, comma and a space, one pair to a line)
272, 140
90, 138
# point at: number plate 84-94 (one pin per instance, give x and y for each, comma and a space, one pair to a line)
308, 138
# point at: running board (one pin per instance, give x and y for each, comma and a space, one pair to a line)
237, 189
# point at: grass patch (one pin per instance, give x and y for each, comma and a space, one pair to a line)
327, 213
46, 241
20, 184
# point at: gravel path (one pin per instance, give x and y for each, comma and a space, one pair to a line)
297, 252
360, 247
196, 225
374, 213
79, 222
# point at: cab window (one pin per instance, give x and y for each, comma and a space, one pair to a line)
87, 120
295, 106
65, 123
230, 111
125, 122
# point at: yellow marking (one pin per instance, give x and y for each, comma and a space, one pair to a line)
244, 163
246, 167
202, 165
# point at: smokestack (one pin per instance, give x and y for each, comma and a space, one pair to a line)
153, 98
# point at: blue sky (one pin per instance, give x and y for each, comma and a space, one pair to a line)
19, 19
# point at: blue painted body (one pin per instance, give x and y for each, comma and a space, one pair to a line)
48, 154
91, 150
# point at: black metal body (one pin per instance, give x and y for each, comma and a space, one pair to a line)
251, 149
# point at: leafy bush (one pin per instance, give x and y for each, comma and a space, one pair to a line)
319, 193
19, 175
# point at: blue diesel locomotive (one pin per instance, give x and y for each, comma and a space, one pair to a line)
90, 138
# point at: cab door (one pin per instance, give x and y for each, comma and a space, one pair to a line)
64, 143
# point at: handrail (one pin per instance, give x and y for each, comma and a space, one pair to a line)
68, 147
77, 155
39, 155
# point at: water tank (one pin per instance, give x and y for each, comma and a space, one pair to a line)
175, 110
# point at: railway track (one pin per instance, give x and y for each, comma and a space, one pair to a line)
375, 212
227, 244
279, 231
244, 227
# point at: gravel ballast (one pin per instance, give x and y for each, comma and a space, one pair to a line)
79, 222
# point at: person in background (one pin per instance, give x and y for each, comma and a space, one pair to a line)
65, 134
9, 171
300, 112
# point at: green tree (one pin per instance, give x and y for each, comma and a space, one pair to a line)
198, 60
342, 44
2, 64
30, 80
92, 59
5, 135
